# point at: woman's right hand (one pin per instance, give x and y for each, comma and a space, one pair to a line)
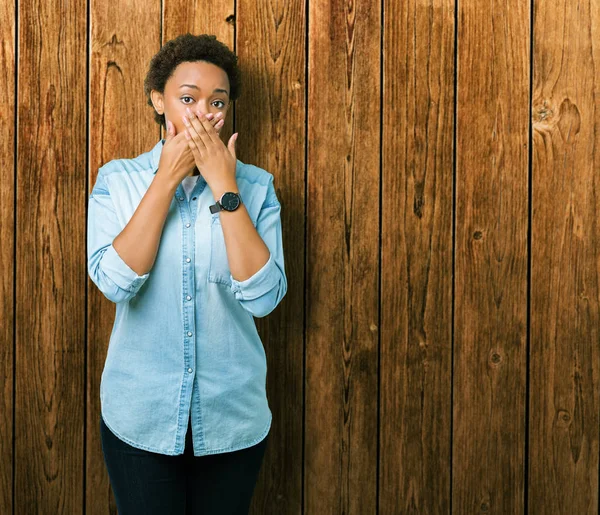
176, 158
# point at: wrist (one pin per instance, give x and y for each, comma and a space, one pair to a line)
219, 189
164, 183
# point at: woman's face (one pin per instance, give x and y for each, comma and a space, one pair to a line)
199, 85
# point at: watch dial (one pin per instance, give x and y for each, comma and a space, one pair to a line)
230, 201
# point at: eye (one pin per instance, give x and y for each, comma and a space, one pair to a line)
187, 103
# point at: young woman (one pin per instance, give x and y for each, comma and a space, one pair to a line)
186, 240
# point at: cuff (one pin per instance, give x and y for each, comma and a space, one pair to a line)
263, 281
117, 270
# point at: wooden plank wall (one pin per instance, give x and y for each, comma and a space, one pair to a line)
437, 164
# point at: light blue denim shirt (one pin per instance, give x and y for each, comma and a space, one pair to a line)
184, 342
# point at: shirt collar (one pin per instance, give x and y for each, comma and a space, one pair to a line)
155, 155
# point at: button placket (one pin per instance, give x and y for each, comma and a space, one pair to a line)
188, 278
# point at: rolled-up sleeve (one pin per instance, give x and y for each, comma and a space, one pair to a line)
114, 278
261, 293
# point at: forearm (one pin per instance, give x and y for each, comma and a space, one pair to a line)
246, 251
255, 254
137, 244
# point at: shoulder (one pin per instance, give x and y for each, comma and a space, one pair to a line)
253, 174
124, 171
256, 187
140, 163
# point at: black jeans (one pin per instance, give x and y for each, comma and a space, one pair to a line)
145, 482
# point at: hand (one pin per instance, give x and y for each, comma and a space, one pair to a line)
215, 161
176, 158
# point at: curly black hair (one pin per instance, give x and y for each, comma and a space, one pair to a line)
184, 48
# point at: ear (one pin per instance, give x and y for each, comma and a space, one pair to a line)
157, 101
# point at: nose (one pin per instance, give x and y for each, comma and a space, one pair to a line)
202, 107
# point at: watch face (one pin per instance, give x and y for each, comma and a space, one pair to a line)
230, 201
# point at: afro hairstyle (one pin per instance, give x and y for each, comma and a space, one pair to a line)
186, 48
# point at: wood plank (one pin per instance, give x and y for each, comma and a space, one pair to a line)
565, 259
416, 259
271, 122
121, 125
342, 308
50, 250
488, 445
7, 267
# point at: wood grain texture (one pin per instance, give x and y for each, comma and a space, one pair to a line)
565, 259
50, 250
7, 267
416, 259
342, 258
490, 274
437, 350
270, 119
121, 125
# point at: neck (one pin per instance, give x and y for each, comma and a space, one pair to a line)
193, 171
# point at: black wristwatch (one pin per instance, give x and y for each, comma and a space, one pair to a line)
229, 201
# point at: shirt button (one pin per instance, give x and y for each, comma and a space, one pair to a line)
181, 198
189, 333
187, 225
190, 370
188, 260
189, 298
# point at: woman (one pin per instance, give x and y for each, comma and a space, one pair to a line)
185, 239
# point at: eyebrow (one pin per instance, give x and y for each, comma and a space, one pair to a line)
193, 86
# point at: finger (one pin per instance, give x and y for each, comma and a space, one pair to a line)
192, 146
213, 121
218, 126
194, 128
216, 121
198, 130
210, 134
170, 131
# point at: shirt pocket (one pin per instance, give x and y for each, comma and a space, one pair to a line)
218, 271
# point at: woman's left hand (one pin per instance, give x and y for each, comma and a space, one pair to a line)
215, 161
